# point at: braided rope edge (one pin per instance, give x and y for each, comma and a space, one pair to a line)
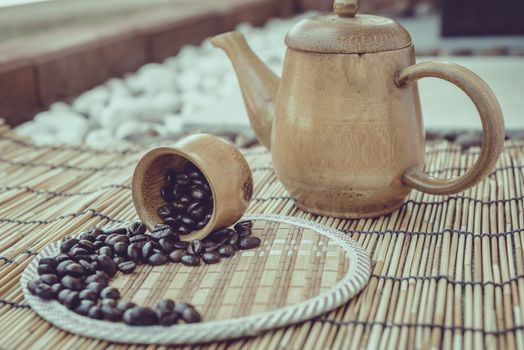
351, 284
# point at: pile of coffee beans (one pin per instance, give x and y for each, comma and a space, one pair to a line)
79, 276
189, 200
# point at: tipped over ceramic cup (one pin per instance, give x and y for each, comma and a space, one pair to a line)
221, 163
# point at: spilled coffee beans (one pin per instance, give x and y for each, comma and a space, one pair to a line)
79, 276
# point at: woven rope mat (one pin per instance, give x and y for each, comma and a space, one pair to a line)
447, 270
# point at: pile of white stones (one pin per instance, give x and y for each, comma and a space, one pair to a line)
195, 87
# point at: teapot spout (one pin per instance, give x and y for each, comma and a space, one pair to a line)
258, 83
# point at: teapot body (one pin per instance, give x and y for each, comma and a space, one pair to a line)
344, 134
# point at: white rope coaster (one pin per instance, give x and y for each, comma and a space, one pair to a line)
353, 281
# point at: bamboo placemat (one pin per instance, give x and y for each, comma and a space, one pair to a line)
447, 270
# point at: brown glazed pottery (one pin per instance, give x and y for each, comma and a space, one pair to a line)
344, 122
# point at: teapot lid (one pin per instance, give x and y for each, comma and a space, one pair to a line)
345, 31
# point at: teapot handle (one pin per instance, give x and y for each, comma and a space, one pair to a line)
490, 116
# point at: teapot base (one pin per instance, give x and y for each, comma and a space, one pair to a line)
352, 214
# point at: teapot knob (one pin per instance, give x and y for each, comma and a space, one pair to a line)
345, 8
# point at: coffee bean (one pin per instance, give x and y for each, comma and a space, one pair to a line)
170, 176
105, 250
101, 238
226, 250
188, 222
75, 270
166, 192
110, 293
165, 211
138, 238
127, 267
85, 244
78, 252
57, 288
107, 265
197, 192
158, 259
198, 182
182, 179
44, 291
61, 268
190, 260
62, 257
179, 206
99, 276
149, 249
63, 294
248, 242
136, 228
48, 261
243, 231
84, 307
184, 230
163, 231
125, 305
88, 294
233, 239
171, 222
197, 213
89, 267
176, 255
188, 313
87, 236
49, 278
96, 231
117, 230
194, 174
72, 283
181, 245
140, 316
166, 305
169, 319
195, 247
118, 260
66, 245
186, 200
243, 224
211, 257
111, 313
118, 239
200, 224
221, 236
110, 237
166, 245
210, 246
71, 300
95, 313
96, 287
134, 252
176, 192
120, 248
44, 269
108, 302
97, 245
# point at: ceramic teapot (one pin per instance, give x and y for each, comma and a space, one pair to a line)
344, 123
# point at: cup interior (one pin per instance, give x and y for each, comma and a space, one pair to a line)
148, 179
